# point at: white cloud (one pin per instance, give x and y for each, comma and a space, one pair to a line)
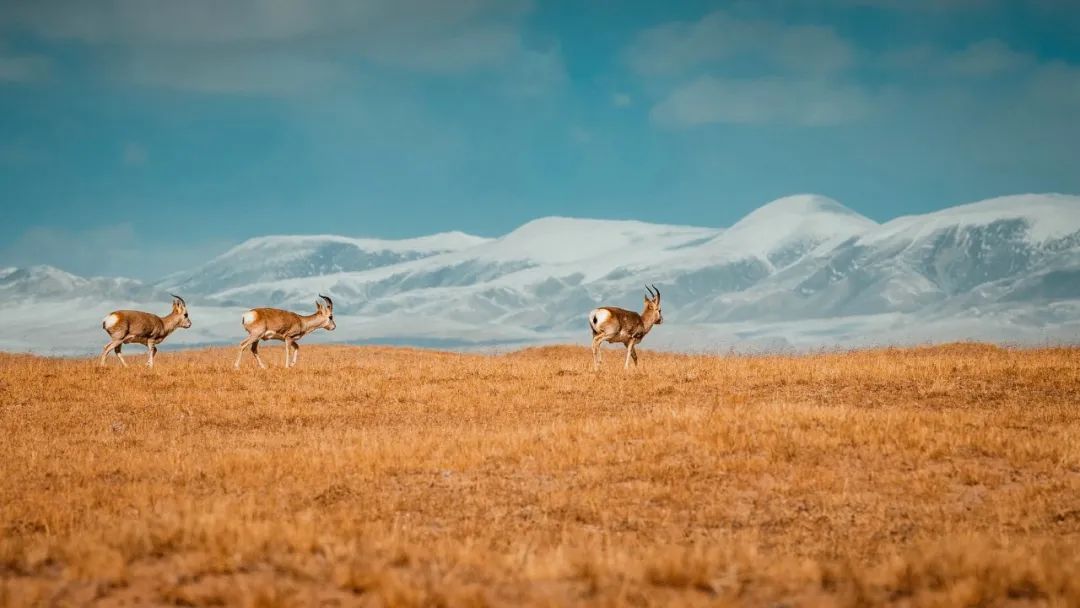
479, 46
733, 69
257, 73
282, 47
680, 47
247, 22
981, 59
709, 100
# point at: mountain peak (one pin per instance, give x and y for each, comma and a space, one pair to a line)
787, 228
798, 207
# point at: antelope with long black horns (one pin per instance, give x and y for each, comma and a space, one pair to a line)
289, 327
127, 326
611, 324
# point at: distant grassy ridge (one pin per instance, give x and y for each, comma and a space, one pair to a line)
943, 475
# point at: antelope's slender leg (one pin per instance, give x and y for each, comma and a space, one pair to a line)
597, 340
118, 355
105, 351
295, 352
255, 351
288, 345
629, 350
151, 350
633, 354
243, 346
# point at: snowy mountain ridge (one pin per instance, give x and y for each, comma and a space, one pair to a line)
800, 271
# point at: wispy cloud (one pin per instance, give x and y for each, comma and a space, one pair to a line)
709, 100
919, 5
725, 68
680, 47
274, 47
240, 72
980, 59
987, 58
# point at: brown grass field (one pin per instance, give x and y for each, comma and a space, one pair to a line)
382, 476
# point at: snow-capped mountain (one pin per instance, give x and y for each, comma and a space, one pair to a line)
46, 282
800, 271
273, 258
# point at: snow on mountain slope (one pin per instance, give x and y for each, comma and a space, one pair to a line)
576, 250
963, 256
784, 230
753, 253
561, 240
274, 258
47, 282
1045, 217
800, 271
951, 253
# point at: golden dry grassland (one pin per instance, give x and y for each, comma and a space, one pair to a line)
385, 476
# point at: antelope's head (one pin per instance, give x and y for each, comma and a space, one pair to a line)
179, 308
325, 307
652, 306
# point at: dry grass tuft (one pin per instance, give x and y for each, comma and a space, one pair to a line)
929, 476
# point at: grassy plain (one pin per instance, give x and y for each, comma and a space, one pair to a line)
383, 476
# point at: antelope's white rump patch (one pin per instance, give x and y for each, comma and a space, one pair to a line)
110, 321
249, 317
598, 317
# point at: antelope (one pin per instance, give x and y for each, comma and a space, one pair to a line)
612, 324
277, 324
127, 326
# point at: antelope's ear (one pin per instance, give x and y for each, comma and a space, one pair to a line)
318, 305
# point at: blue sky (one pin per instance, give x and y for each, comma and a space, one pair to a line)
140, 138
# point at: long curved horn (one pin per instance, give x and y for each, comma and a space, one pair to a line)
328, 300
649, 291
657, 292
179, 298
